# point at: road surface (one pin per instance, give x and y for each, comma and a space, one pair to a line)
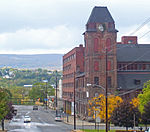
42, 121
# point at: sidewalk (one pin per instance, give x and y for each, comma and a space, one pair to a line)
6, 121
79, 122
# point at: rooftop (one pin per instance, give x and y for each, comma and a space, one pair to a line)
133, 52
100, 15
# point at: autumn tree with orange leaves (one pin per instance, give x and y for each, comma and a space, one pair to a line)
98, 105
135, 102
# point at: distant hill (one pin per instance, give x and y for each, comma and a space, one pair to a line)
47, 61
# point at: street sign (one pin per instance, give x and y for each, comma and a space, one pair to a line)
98, 119
45, 99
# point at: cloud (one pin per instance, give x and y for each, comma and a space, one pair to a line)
55, 39
56, 26
18, 14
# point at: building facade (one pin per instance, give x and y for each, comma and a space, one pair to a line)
73, 62
123, 66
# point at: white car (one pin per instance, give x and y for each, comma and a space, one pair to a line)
27, 119
58, 118
15, 120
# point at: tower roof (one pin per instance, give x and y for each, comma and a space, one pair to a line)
100, 15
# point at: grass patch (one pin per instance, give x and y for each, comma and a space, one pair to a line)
148, 125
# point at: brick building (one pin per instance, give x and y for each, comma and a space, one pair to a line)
125, 65
73, 61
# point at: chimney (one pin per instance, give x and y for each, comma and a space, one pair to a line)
129, 40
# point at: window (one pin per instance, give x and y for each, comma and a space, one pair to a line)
109, 82
111, 25
109, 65
96, 80
96, 44
96, 66
119, 67
124, 66
135, 66
129, 67
139, 66
130, 41
108, 44
137, 82
132, 67
91, 26
86, 46
77, 82
144, 67
147, 66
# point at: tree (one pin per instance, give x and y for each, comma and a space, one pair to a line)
3, 105
144, 97
39, 91
10, 113
98, 105
146, 114
135, 102
125, 115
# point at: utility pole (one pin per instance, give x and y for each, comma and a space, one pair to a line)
46, 95
46, 92
106, 95
74, 102
56, 92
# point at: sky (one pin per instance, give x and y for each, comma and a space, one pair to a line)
56, 26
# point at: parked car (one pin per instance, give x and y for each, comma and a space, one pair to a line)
90, 119
35, 107
27, 119
15, 120
147, 130
14, 112
58, 118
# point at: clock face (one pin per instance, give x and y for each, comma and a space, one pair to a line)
100, 27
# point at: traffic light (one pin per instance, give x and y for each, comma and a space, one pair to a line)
52, 99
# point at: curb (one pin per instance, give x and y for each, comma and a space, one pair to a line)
71, 123
3, 131
77, 131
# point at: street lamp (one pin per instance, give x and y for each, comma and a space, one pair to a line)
106, 99
45, 81
74, 102
56, 92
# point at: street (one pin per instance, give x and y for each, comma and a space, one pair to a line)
41, 121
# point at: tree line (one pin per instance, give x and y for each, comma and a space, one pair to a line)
15, 79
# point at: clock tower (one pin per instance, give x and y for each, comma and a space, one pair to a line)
100, 52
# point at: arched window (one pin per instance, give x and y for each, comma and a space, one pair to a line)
96, 44
86, 46
109, 65
96, 66
108, 44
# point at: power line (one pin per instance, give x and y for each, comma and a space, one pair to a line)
132, 61
141, 26
144, 34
